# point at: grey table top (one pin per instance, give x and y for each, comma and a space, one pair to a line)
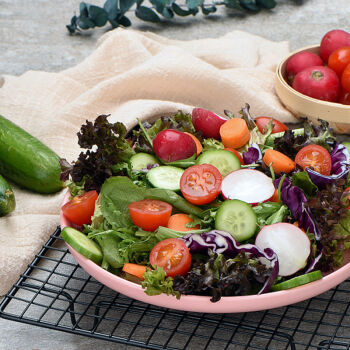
33, 36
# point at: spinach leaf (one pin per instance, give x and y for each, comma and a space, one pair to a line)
303, 181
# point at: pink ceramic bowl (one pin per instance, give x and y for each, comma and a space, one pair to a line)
202, 303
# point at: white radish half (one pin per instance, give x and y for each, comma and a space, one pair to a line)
290, 243
248, 185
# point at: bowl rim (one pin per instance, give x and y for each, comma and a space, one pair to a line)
282, 80
197, 303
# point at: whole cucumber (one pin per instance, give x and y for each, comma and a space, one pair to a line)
7, 198
26, 161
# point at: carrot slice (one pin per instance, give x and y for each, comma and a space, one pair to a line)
274, 198
178, 222
234, 133
135, 270
197, 142
280, 162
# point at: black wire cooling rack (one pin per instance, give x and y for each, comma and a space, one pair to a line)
54, 292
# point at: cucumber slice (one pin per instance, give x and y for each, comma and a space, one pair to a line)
141, 160
347, 145
166, 177
83, 245
298, 281
237, 218
224, 161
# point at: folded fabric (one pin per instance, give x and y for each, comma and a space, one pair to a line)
130, 75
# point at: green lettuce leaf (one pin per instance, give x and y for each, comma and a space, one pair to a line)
269, 213
155, 283
303, 181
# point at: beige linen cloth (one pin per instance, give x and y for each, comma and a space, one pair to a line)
130, 75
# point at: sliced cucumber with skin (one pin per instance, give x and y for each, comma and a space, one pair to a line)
166, 177
237, 218
297, 281
224, 161
141, 160
7, 198
82, 244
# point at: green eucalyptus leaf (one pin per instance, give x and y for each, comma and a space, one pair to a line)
114, 23
83, 9
97, 14
112, 9
193, 4
209, 9
146, 14
72, 27
125, 5
233, 4
168, 13
125, 21
85, 23
180, 11
250, 5
268, 4
159, 4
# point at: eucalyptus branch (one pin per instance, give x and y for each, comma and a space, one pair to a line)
114, 11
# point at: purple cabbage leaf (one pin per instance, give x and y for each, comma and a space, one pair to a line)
253, 155
221, 242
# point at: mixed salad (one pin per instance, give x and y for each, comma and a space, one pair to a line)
205, 205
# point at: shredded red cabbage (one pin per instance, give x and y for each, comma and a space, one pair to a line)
222, 242
253, 155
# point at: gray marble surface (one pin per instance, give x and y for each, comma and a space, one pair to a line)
33, 37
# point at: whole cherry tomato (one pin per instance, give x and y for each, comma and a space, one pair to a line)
339, 59
345, 78
149, 214
172, 255
315, 157
262, 123
201, 184
80, 209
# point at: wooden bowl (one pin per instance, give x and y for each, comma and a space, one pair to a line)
338, 115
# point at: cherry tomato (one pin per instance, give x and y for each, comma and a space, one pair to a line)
171, 145
318, 82
262, 122
201, 184
300, 61
80, 209
344, 97
339, 59
315, 157
345, 78
236, 153
172, 255
149, 214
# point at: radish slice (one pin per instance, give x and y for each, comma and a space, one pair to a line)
290, 243
248, 185
207, 122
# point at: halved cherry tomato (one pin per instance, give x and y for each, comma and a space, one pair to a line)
80, 209
149, 214
236, 153
172, 255
262, 123
201, 184
315, 157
